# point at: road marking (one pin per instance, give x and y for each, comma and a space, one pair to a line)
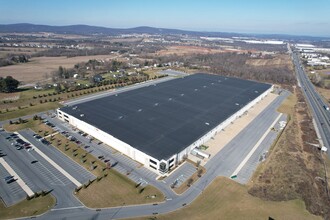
19, 180
71, 178
255, 146
76, 207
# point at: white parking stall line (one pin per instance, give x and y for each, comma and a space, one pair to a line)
71, 178
241, 165
19, 180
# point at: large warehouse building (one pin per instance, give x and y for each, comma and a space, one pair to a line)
158, 125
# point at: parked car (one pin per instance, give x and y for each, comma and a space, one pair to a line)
38, 137
45, 142
8, 178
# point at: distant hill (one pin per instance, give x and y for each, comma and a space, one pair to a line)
86, 29
95, 30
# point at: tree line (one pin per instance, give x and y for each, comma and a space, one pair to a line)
13, 59
8, 84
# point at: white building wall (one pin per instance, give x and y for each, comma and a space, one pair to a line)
107, 138
221, 126
144, 158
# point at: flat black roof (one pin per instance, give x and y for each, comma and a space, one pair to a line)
162, 120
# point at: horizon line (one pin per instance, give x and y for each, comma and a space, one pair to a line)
179, 29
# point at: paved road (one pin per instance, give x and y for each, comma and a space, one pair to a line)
70, 166
222, 164
316, 103
10, 193
41, 175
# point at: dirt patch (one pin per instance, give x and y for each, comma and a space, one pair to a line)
281, 60
294, 169
184, 50
39, 68
324, 92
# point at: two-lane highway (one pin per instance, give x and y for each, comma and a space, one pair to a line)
315, 101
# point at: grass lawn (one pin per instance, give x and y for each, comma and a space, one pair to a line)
36, 125
114, 189
29, 111
287, 105
26, 208
226, 199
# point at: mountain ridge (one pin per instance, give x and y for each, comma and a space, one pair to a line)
82, 29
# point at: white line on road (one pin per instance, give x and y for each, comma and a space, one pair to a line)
19, 180
76, 207
255, 146
71, 178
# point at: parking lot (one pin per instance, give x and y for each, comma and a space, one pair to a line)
180, 175
10, 193
36, 171
121, 163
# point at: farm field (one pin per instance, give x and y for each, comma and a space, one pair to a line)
40, 68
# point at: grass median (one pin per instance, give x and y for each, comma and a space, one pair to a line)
35, 206
110, 188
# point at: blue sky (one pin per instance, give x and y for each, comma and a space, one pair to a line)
299, 17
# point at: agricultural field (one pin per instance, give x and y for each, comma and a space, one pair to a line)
4, 51
39, 69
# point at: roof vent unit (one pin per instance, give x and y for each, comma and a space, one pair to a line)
169, 99
75, 108
140, 110
256, 91
182, 94
156, 104
82, 115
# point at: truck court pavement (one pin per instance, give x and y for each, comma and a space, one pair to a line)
222, 164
